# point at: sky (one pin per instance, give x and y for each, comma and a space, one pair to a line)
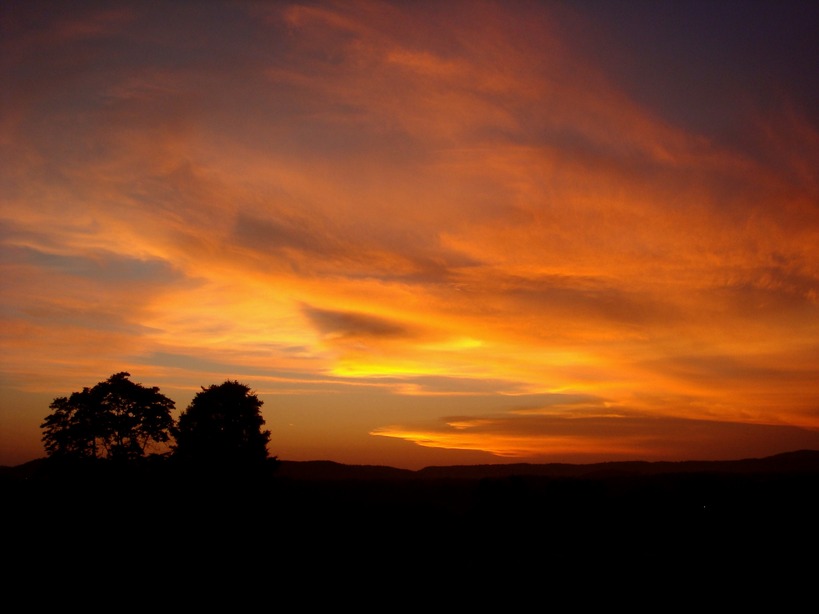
423, 233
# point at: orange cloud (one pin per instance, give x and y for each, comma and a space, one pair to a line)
559, 437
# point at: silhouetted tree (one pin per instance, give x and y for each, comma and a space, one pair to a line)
222, 428
116, 419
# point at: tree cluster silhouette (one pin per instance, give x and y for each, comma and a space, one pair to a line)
118, 423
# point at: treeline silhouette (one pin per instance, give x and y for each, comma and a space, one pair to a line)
216, 489
115, 425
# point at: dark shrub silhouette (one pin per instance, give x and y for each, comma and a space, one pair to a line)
115, 420
222, 429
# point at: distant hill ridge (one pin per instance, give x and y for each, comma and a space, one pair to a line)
799, 461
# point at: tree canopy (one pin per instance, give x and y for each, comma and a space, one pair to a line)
222, 427
116, 419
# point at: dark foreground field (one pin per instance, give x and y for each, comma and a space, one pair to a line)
614, 520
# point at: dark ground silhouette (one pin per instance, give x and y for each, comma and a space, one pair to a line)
633, 520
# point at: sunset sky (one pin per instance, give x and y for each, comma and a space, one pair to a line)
423, 233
